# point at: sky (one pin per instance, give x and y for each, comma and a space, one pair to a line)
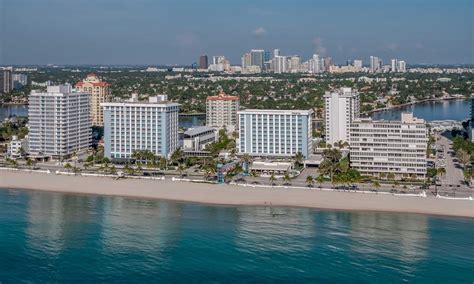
168, 32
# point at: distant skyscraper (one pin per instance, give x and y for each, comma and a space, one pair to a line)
402, 66
219, 59
342, 107
203, 63
358, 63
257, 57
295, 63
266, 56
246, 60
59, 122
394, 65
375, 64
6, 81
280, 64
327, 63
276, 53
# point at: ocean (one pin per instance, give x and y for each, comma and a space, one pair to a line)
54, 237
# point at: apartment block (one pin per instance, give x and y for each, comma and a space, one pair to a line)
383, 147
59, 122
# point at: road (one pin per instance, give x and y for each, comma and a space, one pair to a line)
454, 173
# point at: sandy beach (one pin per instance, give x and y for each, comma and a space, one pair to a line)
235, 195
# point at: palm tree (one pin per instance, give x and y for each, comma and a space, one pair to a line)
299, 158
68, 166
272, 179
246, 159
320, 179
309, 181
376, 184
128, 170
463, 157
330, 164
29, 163
287, 178
177, 155
181, 168
254, 175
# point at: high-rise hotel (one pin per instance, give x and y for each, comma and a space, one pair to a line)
135, 125
275, 133
100, 93
382, 147
341, 108
59, 122
221, 111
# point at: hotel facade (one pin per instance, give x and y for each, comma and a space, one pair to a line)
383, 147
59, 122
99, 93
134, 125
275, 133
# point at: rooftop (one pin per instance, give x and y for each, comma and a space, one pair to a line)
198, 130
222, 97
276, 111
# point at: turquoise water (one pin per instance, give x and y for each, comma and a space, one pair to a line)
51, 237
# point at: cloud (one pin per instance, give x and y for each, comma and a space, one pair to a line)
187, 39
419, 45
392, 46
319, 48
260, 32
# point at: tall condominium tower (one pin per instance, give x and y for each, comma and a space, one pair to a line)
275, 133
203, 63
100, 92
342, 107
6, 81
382, 147
151, 125
59, 122
375, 64
221, 111
257, 57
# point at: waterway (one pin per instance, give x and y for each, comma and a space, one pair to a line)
439, 110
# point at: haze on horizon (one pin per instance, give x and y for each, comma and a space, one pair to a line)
168, 32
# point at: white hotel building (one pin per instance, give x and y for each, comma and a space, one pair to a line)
397, 147
135, 125
341, 108
59, 122
275, 133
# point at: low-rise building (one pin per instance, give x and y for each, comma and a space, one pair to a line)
275, 133
17, 147
379, 147
197, 138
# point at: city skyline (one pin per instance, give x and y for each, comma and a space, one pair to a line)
174, 33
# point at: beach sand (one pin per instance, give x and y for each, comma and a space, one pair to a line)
235, 195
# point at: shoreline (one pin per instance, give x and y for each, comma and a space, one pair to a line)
235, 195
